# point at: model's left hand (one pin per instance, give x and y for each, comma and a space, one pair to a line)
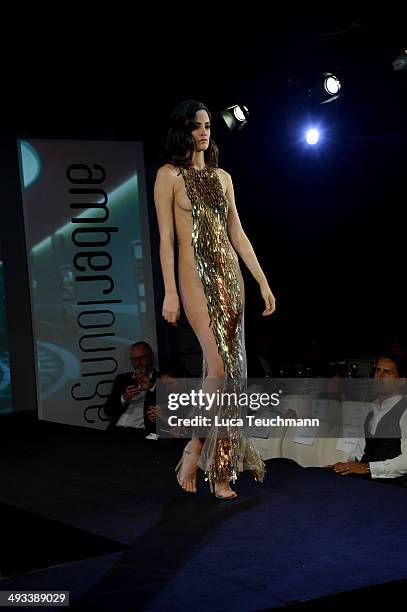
269, 300
349, 467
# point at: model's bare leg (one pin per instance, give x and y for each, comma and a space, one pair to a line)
187, 468
196, 309
212, 383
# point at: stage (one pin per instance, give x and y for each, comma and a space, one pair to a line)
101, 515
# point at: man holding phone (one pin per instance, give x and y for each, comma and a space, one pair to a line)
132, 401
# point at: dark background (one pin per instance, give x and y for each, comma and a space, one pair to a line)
327, 223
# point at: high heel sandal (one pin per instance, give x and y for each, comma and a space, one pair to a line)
212, 485
232, 495
178, 467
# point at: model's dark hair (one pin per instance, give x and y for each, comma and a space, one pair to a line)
180, 144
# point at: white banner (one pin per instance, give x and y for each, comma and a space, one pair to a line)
90, 269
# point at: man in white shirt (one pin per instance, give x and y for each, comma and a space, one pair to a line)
382, 454
131, 403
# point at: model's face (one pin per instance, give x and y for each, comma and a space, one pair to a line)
202, 132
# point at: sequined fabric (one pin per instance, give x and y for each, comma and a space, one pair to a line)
226, 451
215, 263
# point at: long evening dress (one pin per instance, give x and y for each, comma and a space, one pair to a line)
212, 295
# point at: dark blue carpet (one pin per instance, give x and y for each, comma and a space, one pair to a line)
302, 535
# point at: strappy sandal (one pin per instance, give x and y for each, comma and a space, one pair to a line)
182, 479
231, 495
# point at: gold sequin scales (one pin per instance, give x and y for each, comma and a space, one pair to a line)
226, 451
215, 263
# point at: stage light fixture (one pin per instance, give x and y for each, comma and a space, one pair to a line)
326, 89
235, 116
400, 63
332, 85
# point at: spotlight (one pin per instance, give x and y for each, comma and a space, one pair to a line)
312, 136
332, 85
235, 117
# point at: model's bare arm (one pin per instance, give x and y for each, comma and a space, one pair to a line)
164, 205
243, 247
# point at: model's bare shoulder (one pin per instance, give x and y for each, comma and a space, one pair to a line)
167, 171
225, 176
223, 172
225, 179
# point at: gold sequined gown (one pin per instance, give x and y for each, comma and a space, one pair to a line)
212, 295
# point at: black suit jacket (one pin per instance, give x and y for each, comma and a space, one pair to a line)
114, 408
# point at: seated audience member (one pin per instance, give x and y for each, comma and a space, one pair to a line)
132, 401
382, 453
